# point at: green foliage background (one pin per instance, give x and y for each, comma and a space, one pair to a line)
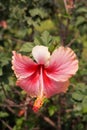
44, 22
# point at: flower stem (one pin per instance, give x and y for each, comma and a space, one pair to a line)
65, 3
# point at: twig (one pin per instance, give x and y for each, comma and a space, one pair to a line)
11, 110
13, 104
26, 111
8, 126
59, 121
48, 120
17, 106
71, 42
15, 90
3, 90
17, 40
26, 108
59, 115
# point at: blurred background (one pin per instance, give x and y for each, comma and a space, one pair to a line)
24, 24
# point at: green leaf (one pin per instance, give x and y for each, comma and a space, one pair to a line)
77, 96
80, 20
1, 72
38, 11
56, 39
30, 22
38, 41
46, 38
82, 88
81, 10
27, 47
19, 123
84, 105
3, 114
52, 109
4, 59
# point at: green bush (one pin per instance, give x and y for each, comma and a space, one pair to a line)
42, 22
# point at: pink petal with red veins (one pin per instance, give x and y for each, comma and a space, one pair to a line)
30, 84
52, 87
63, 64
22, 65
41, 54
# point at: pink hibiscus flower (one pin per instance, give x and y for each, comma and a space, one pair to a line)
48, 76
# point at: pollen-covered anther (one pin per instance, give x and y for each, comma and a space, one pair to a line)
38, 104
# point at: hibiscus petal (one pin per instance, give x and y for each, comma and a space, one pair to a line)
52, 87
22, 65
63, 64
30, 84
41, 54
